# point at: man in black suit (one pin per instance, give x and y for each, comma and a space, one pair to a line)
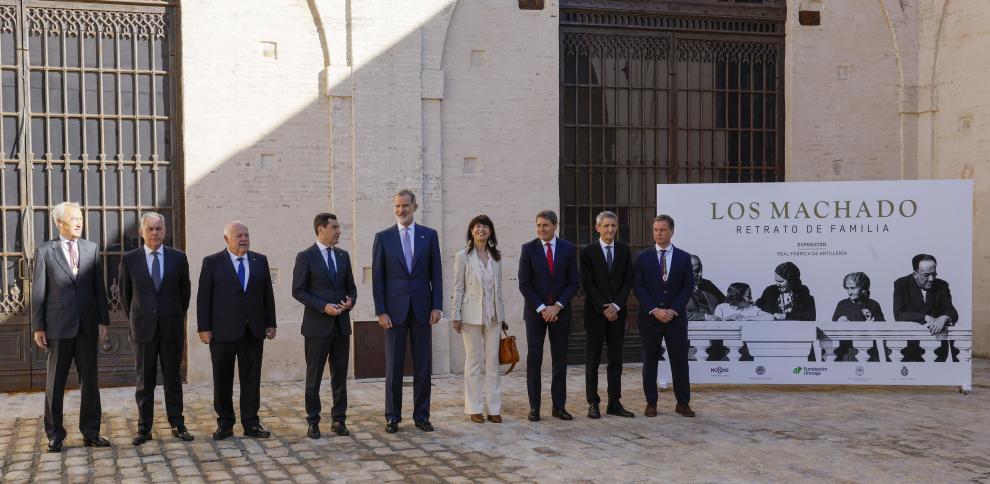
925, 299
235, 306
664, 281
606, 276
548, 279
323, 282
155, 291
69, 316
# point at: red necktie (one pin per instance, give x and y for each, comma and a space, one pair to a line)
550, 265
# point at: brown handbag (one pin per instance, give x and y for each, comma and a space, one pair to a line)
507, 352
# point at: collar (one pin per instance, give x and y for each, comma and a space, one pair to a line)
669, 248
323, 248
62, 240
148, 251
234, 256
604, 245
411, 226
553, 242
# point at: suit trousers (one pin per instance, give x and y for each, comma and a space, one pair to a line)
536, 333
675, 334
82, 349
247, 352
146, 356
481, 351
613, 335
335, 349
420, 337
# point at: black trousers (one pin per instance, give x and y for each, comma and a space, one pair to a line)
536, 333
247, 352
146, 357
336, 349
82, 349
420, 339
675, 334
613, 335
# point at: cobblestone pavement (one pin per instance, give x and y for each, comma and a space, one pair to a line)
741, 434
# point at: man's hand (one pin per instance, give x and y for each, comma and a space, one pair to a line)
929, 319
104, 331
669, 314
550, 313
346, 304
332, 309
843, 319
206, 336
384, 321
938, 324
41, 339
779, 316
659, 315
610, 312
457, 325
270, 333
435, 316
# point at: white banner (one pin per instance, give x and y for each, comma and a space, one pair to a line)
828, 282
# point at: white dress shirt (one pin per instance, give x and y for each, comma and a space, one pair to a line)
553, 245
605, 254
323, 253
247, 266
161, 258
412, 237
667, 255
64, 244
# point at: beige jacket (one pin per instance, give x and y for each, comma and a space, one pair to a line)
468, 291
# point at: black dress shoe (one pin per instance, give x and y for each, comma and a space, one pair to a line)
424, 425
594, 412
96, 441
561, 414
257, 432
314, 431
618, 410
182, 433
54, 446
339, 428
223, 433
534, 415
141, 438
391, 426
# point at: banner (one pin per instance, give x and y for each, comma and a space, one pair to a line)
828, 282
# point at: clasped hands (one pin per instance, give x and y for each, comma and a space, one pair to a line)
664, 315
549, 313
337, 309
936, 325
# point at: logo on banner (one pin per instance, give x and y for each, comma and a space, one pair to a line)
860, 371
719, 370
760, 370
810, 370
797, 371
904, 371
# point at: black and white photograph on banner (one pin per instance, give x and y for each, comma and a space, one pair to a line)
811, 282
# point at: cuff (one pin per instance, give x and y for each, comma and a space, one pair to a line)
616, 307
541, 308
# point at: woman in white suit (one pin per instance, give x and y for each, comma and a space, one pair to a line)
478, 315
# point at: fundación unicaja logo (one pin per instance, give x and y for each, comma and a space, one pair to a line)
904, 371
797, 370
860, 371
760, 370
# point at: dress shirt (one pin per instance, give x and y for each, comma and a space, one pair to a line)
412, 237
64, 243
605, 254
323, 253
667, 255
247, 265
161, 258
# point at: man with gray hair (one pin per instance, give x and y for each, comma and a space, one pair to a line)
155, 290
69, 316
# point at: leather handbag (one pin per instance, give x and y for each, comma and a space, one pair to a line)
508, 354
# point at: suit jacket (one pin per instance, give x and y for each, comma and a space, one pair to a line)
395, 288
538, 286
314, 288
226, 309
469, 291
653, 292
62, 304
601, 286
909, 305
803, 308
148, 309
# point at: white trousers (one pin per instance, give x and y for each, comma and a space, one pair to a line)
481, 351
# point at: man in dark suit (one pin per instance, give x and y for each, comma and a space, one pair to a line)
606, 276
548, 279
407, 281
323, 282
235, 306
155, 291
69, 317
925, 299
664, 281
706, 297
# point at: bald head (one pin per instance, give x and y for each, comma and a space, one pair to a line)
235, 234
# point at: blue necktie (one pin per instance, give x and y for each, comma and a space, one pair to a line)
407, 248
331, 265
242, 273
156, 271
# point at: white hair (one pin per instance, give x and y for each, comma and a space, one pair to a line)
59, 210
150, 215
604, 215
226, 228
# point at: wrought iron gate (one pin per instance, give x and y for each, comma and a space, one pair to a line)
87, 114
655, 91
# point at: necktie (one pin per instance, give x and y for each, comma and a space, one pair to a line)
608, 257
663, 264
156, 270
331, 265
550, 257
407, 248
242, 273
73, 257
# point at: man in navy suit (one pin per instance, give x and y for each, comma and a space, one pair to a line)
407, 282
323, 281
664, 281
548, 279
235, 308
